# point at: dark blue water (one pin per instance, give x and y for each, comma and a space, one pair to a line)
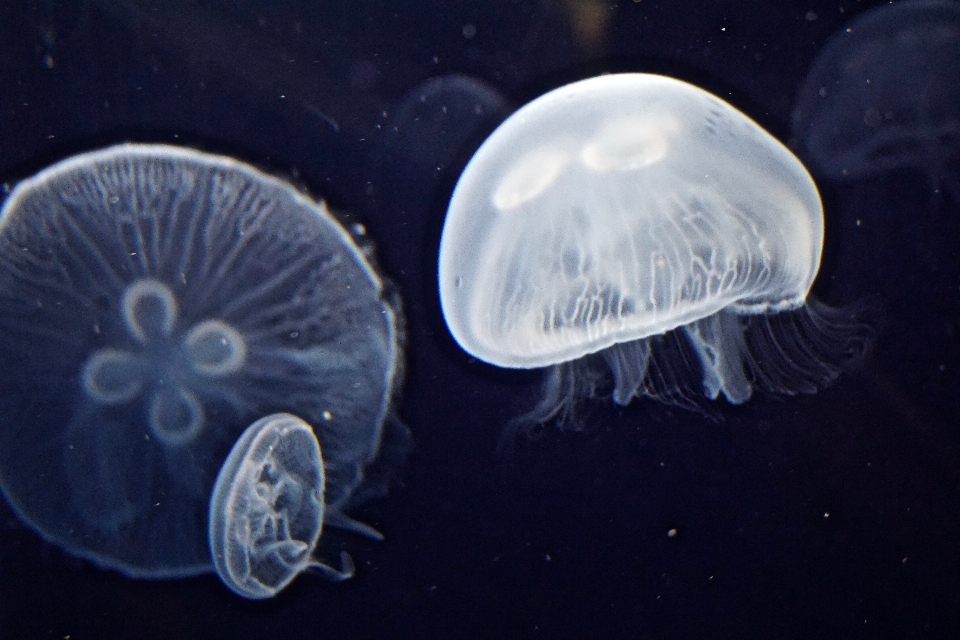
830, 515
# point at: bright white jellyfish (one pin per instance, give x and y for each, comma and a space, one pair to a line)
154, 301
267, 508
637, 224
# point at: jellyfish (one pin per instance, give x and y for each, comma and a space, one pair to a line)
267, 507
433, 121
154, 302
882, 95
636, 224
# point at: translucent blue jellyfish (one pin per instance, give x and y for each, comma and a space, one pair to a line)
267, 508
636, 224
154, 302
435, 119
883, 95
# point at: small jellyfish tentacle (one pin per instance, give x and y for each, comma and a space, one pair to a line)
290, 553
628, 362
346, 571
803, 350
563, 388
336, 518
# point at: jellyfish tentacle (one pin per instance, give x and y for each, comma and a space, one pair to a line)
345, 572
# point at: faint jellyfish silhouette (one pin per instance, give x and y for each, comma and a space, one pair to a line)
266, 509
438, 116
883, 95
638, 224
155, 301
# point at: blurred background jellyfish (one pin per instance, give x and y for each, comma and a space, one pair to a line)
433, 121
883, 95
267, 508
637, 224
155, 301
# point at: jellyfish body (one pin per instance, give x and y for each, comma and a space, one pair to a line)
615, 210
883, 95
267, 507
155, 301
433, 121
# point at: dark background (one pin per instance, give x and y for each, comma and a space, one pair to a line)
831, 515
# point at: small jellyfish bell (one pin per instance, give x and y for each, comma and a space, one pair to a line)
882, 95
267, 508
638, 224
154, 302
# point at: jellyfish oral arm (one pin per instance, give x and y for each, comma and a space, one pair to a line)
718, 341
335, 575
336, 518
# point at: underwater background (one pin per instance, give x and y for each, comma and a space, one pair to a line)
828, 515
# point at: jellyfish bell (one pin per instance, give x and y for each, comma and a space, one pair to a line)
882, 95
433, 120
267, 509
609, 175
154, 301
643, 220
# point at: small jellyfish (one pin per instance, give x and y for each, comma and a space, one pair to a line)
267, 507
435, 119
638, 224
154, 301
883, 95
